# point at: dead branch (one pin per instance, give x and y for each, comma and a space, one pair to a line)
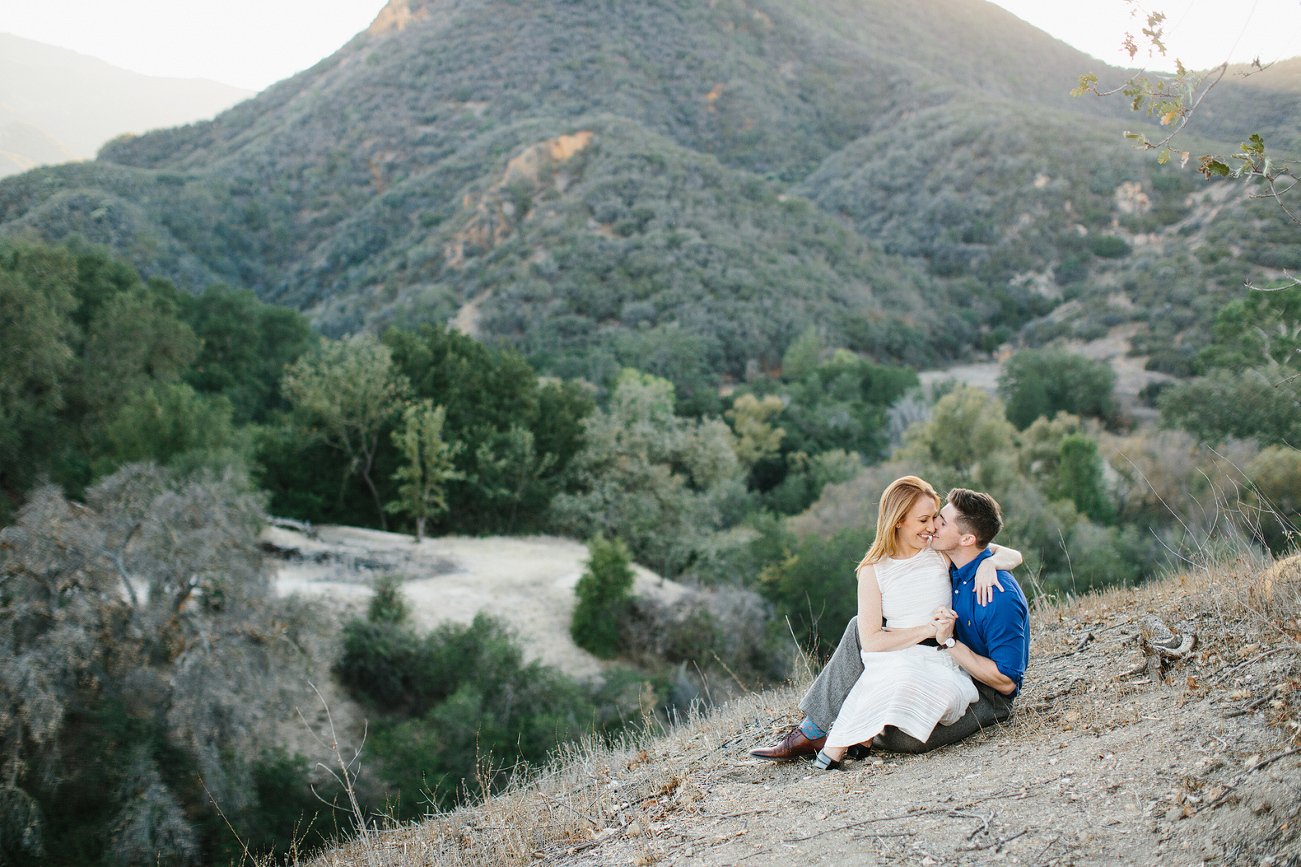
1161, 647
1088, 636
996, 844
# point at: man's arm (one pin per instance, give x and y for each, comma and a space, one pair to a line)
1004, 630
982, 669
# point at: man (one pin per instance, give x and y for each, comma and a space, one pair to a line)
990, 642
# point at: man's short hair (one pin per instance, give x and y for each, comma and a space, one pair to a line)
978, 514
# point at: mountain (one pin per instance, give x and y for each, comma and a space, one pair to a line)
23, 146
686, 186
57, 105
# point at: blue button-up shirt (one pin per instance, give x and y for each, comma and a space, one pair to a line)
999, 631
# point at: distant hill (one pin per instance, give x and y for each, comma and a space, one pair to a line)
24, 146
58, 105
687, 184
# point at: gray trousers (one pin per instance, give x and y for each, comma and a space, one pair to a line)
822, 702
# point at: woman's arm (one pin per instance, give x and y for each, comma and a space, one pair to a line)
1004, 558
987, 572
870, 634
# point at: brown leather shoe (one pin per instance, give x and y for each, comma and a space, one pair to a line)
794, 745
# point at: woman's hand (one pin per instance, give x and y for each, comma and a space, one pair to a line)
986, 581
943, 620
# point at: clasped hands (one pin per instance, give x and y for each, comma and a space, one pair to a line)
943, 619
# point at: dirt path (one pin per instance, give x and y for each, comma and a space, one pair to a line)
526, 581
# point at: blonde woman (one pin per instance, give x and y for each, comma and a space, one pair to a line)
905, 601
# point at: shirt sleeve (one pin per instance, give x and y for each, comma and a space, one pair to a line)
1007, 634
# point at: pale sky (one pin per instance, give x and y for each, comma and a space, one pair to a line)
253, 43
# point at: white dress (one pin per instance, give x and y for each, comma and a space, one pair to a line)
914, 688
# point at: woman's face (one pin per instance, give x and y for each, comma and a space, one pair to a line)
918, 524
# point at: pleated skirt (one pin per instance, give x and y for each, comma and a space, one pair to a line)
913, 689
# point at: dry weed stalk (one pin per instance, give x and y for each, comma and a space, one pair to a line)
346, 777
590, 792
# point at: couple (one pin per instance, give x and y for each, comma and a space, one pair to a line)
923, 664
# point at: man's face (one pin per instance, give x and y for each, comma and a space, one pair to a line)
948, 536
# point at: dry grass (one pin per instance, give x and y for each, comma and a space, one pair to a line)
590, 792
625, 802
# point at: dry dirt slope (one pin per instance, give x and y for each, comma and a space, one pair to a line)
1198, 767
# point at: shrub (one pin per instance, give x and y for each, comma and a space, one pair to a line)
1108, 246
1276, 475
1253, 403
388, 605
1043, 382
602, 592
1079, 477
815, 588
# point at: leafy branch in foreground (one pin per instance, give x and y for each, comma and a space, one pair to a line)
1174, 99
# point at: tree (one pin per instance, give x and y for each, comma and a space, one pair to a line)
345, 393
1174, 100
508, 469
422, 492
1275, 474
802, 356
35, 331
1043, 382
966, 428
757, 440
1079, 477
1251, 403
246, 347
169, 420
488, 394
648, 476
141, 644
602, 592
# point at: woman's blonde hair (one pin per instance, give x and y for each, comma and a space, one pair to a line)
896, 500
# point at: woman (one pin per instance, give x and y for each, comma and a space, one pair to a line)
905, 683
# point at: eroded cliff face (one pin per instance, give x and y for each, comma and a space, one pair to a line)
499, 208
394, 18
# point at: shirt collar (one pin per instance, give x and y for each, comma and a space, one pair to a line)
966, 573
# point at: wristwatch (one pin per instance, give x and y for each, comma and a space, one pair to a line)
946, 644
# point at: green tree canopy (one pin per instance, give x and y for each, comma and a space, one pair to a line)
602, 591
427, 467
967, 428
345, 393
649, 476
1043, 382
518, 433
246, 347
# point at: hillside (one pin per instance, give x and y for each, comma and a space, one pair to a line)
1099, 765
57, 105
596, 182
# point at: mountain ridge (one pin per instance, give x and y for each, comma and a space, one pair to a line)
343, 190
80, 101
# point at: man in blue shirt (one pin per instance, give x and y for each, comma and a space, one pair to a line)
990, 642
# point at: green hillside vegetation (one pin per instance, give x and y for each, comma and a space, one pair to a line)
692, 255
418, 171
